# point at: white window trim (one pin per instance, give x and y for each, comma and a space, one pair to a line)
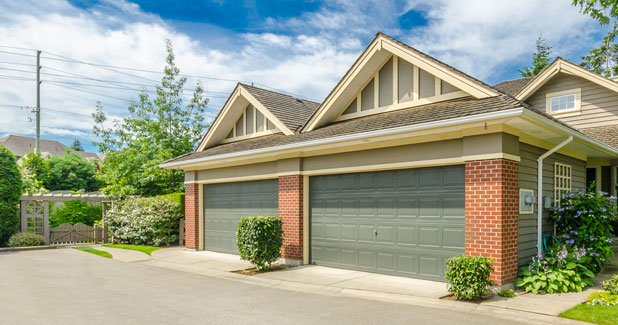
255, 133
568, 178
574, 111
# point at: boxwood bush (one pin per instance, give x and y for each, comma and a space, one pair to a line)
260, 239
23, 239
467, 277
10, 191
144, 221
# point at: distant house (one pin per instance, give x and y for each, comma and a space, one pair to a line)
20, 146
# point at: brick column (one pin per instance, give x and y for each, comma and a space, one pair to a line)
492, 208
291, 213
192, 213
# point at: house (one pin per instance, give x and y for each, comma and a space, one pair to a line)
20, 146
406, 163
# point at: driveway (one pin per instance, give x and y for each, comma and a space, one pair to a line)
66, 286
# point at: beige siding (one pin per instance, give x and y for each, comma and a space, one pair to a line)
528, 180
599, 104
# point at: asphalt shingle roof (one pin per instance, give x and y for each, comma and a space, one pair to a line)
512, 87
605, 134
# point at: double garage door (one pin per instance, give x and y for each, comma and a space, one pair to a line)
402, 222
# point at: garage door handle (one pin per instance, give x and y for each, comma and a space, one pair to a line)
375, 232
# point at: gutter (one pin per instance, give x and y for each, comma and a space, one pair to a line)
540, 192
358, 136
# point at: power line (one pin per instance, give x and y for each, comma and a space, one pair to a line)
87, 91
43, 108
16, 53
18, 63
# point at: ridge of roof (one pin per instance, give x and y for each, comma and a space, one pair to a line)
512, 87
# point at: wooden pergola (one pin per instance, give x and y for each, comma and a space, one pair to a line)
35, 209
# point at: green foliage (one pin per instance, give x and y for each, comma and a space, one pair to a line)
76, 211
95, 252
260, 239
144, 221
10, 191
563, 270
604, 59
584, 220
156, 130
611, 285
601, 10
34, 170
178, 198
24, 239
70, 172
602, 298
467, 277
507, 293
540, 59
77, 145
140, 248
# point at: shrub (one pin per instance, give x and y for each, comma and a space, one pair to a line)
76, 211
467, 277
507, 293
144, 221
611, 285
584, 220
23, 239
10, 191
260, 239
562, 270
602, 298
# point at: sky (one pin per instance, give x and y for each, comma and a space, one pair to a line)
302, 48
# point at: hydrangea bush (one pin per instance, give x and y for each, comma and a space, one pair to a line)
145, 221
583, 219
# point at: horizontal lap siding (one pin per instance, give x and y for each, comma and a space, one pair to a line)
528, 180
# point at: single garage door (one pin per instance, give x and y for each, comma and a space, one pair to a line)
402, 222
225, 204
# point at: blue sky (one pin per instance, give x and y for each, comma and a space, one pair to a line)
302, 47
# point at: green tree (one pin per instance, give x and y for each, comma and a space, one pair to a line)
156, 129
71, 172
604, 59
540, 59
77, 145
10, 191
34, 171
604, 11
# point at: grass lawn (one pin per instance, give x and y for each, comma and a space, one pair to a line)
141, 248
95, 252
604, 315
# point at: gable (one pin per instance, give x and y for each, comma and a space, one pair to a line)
364, 70
397, 84
251, 123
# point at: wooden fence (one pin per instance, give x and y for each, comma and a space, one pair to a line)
77, 233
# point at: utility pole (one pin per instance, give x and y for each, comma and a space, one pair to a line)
37, 149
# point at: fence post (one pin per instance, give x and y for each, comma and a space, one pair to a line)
104, 233
181, 233
46, 221
23, 205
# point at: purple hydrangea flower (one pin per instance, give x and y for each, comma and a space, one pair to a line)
570, 241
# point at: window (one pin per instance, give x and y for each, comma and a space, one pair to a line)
563, 101
562, 181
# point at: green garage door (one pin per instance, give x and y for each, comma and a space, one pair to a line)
225, 204
402, 222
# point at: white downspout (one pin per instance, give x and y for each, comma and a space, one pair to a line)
539, 206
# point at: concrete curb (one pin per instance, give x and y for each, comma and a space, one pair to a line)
23, 249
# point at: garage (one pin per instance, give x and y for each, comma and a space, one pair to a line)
226, 203
401, 222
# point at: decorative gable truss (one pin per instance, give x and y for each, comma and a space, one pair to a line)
252, 123
395, 85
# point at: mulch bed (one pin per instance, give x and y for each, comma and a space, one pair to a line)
255, 271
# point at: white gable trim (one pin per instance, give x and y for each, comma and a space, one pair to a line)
561, 65
468, 85
225, 114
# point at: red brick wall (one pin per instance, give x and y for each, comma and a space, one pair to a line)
492, 208
291, 213
192, 209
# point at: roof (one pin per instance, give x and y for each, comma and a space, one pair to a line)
512, 87
605, 134
421, 114
20, 146
291, 111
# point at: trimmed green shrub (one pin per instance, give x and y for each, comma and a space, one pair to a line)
507, 293
584, 219
76, 211
611, 285
144, 221
602, 298
260, 239
10, 191
467, 277
24, 239
178, 198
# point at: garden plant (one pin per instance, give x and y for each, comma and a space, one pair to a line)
467, 277
260, 239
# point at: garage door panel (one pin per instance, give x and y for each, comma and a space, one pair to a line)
405, 222
226, 203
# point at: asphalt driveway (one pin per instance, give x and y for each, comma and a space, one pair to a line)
66, 286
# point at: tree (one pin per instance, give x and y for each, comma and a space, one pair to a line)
34, 171
156, 129
77, 145
10, 191
601, 10
71, 172
604, 59
540, 59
